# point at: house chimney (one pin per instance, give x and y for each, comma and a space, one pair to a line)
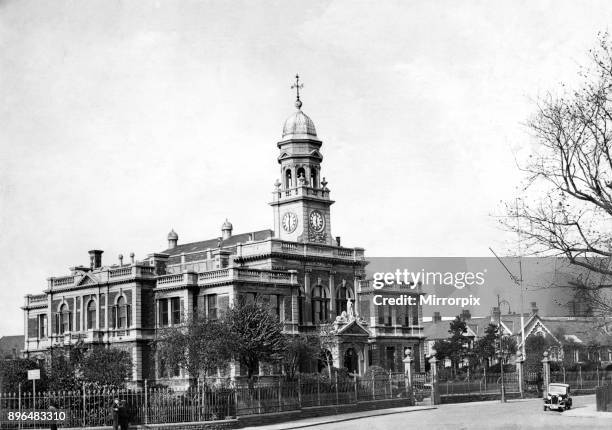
495, 315
172, 239
436, 317
338, 240
226, 230
534, 308
465, 315
95, 259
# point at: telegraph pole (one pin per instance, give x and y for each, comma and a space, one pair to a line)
518, 281
500, 353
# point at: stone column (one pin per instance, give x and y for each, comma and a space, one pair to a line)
546, 373
435, 395
408, 376
332, 295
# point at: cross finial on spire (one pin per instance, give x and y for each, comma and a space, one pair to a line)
297, 86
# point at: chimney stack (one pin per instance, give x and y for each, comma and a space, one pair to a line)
436, 317
95, 259
172, 239
495, 315
465, 315
534, 308
226, 230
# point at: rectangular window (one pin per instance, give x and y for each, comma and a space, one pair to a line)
271, 301
211, 307
42, 326
163, 312
415, 315
176, 310
390, 356
387, 311
381, 314
250, 298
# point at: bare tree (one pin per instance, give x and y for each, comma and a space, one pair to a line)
569, 177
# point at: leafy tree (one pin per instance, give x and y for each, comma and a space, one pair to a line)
15, 371
255, 335
62, 369
509, 347
300, 351
108, 367
484, 348
534, 351
200, 346
456, 346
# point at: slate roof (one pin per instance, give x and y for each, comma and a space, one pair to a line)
586, 330
439, 330
213, 243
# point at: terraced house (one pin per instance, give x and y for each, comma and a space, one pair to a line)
298, 268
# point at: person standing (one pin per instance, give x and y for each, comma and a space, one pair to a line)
53, 410
115, 411
124, 418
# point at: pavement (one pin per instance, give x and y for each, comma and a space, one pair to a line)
330, 419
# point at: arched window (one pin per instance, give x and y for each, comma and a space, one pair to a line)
301, 173
342, 295
65, 324
320, 305
91, 315
313, 177
123, 313
288, 181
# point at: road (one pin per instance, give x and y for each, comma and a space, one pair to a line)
524, 414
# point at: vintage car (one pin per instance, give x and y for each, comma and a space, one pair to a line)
558, 397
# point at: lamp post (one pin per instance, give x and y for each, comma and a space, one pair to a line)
519, 365
501, 368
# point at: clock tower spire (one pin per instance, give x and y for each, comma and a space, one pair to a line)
301, 202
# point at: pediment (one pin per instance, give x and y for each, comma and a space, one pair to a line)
353, 328
87, 279
316, 154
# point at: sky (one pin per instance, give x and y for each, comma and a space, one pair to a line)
120, 120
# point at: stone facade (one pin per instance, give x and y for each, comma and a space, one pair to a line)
298, 268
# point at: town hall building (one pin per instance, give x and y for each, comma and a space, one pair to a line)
298, 268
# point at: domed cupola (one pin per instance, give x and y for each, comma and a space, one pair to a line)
299, 125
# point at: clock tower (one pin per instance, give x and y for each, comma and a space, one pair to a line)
301, 200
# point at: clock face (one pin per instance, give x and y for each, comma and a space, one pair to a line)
290, 222
317, 222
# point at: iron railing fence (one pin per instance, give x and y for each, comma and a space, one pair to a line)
93, 408
480, 384
580, 379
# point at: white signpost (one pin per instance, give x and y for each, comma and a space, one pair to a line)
33, 375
